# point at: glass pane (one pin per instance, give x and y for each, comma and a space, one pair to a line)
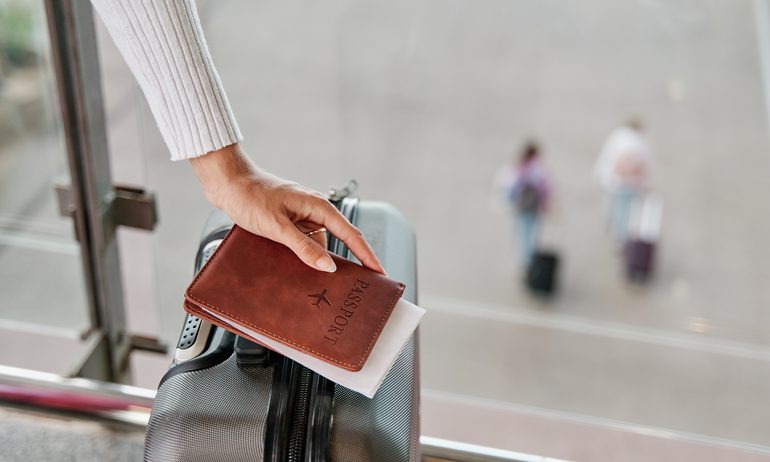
426, 102
41, 278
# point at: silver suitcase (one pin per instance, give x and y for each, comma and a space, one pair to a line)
227, 399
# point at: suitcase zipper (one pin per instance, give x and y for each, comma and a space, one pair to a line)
281, 411
296, 444
319, 420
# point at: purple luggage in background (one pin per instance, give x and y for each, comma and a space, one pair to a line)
639, 251
639, 256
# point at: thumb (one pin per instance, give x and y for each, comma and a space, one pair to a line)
307, 249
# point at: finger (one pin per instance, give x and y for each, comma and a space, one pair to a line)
337, 224
319, 235
314, 231
308, 250
320, 238
307, 226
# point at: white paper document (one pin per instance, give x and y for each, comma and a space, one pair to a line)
402, 322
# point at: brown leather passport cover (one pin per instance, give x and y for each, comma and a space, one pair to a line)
255, 282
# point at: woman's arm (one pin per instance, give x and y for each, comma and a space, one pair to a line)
163, 44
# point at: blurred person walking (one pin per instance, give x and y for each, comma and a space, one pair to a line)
623, 169
528, 190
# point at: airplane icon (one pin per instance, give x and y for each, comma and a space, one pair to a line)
320, 297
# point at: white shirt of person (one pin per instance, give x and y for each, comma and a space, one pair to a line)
625, 160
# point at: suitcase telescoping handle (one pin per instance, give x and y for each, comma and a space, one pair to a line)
337, 194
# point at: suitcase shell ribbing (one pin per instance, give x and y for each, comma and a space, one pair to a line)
209, 408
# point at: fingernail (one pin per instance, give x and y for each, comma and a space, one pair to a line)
326, 263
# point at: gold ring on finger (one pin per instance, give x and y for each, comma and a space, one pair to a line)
316, 231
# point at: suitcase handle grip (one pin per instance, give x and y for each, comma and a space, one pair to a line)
249, 354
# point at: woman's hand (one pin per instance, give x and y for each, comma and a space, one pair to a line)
277, 209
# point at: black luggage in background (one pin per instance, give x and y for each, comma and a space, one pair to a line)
542, 272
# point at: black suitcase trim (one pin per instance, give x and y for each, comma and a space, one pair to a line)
223, 351
215, 235
225, 348
280, 414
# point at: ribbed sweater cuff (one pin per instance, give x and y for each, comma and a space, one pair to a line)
163, 44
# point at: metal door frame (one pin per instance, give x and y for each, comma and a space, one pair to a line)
92, 198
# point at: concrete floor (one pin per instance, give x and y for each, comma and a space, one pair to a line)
422, 102
38, 437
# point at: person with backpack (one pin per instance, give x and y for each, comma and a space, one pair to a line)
529, 194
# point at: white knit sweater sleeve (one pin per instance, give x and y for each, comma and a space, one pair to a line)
163, 44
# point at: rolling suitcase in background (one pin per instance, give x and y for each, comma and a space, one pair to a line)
542, 272
639, 256
228, 399
639, 251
